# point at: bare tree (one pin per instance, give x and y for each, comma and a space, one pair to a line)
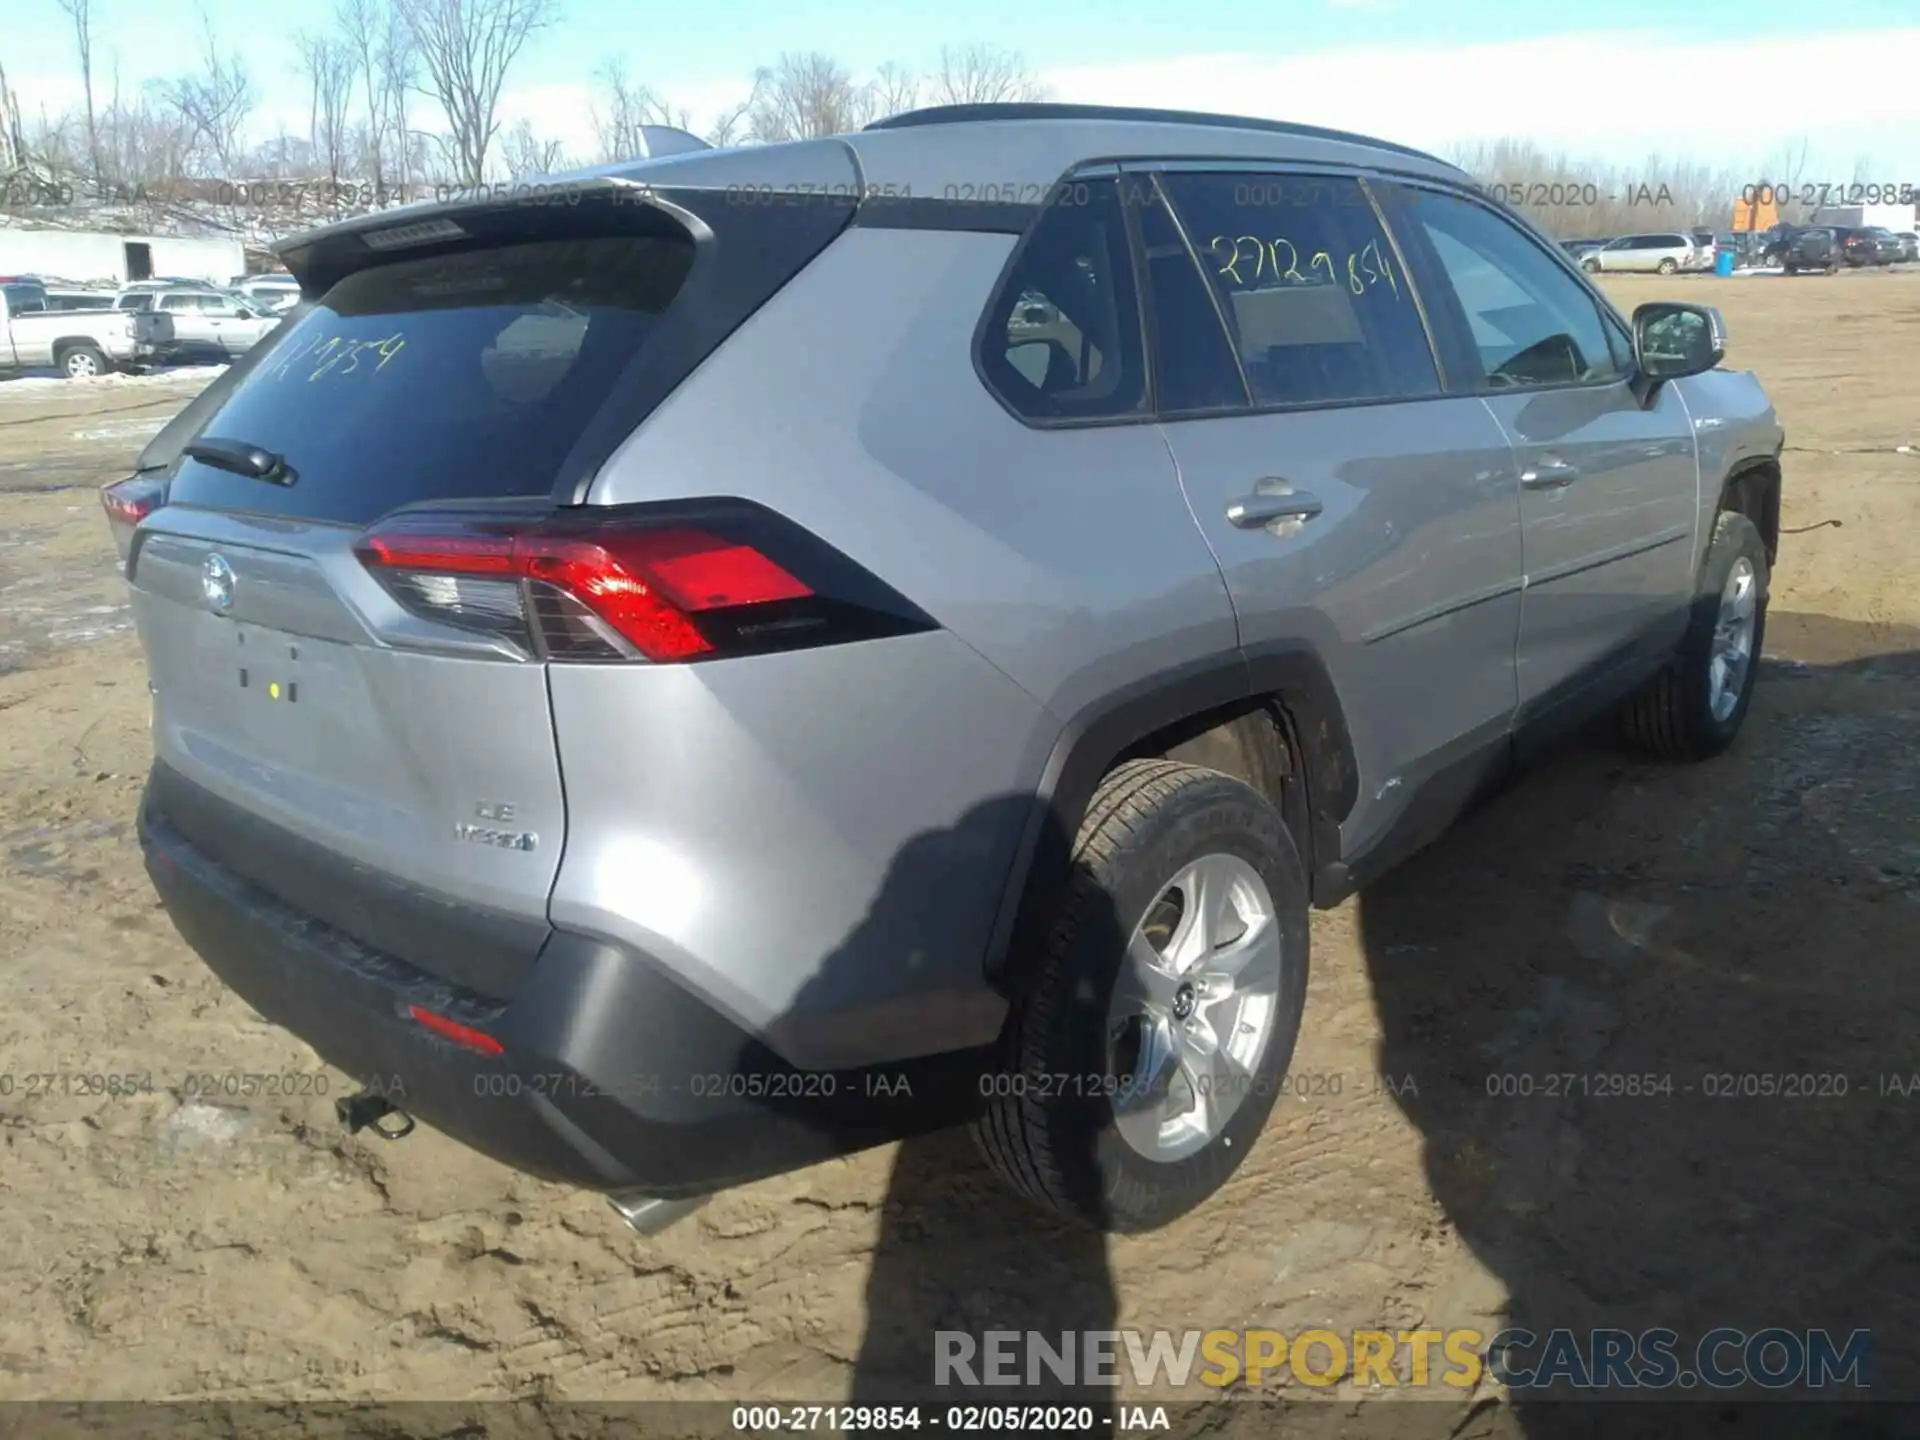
80, 12
803, 97
622, 107
399, 68
216, 103
360, 25
730, 126
13, 141
526, 154
982, 74
329, 65
893, 91
466, 47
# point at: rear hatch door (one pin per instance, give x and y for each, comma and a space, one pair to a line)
390, 768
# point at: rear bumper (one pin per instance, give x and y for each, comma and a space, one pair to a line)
613, 1077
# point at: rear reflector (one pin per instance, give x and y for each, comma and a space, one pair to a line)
687, 583
463, 1035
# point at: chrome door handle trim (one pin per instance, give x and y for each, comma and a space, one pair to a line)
1250, 512
1549, 475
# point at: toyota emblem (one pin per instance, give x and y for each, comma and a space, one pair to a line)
216, 583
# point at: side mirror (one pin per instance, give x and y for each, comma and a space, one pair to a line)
1672, 340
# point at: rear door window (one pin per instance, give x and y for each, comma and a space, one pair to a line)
1309, 285
464, 375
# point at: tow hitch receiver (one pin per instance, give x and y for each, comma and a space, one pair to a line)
367, 1109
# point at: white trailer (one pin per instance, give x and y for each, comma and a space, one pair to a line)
84, 256
1897, 218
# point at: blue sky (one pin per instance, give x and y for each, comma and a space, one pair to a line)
1723, 81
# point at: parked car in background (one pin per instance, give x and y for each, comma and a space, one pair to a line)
269, 294
23, 294
140, 294
1815, 248
78, 343
1858, 246
78, 299
1665, 252
210, 324
1909, 244
1887, 249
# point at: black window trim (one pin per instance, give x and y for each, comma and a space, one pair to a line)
1602, 305
1113, 168
1151, 317
983, 328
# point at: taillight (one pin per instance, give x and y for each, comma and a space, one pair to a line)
131, 500
687, 582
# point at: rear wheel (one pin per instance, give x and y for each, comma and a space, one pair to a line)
83, 362
1693, 709
1592, 267
1143, 1055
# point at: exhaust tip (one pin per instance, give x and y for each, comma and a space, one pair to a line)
650, 1214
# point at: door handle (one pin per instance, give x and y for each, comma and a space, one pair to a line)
1251, 512
1549, 475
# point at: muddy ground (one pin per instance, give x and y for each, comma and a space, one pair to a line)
1758, 915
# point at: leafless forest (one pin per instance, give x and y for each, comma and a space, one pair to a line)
404, 95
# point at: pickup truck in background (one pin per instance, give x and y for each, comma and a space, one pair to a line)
80, 343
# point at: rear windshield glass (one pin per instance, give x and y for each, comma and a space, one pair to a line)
458, 376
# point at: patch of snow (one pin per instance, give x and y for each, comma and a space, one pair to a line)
123, 430
36, 386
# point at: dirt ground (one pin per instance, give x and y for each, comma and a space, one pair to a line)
1757, 915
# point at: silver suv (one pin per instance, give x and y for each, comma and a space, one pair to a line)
717, 662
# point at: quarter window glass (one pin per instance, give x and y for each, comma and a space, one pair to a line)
1312, 293
1063, 333
1531, 322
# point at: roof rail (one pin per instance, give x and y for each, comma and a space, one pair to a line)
1042, 110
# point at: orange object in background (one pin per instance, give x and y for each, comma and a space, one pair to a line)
1757, 214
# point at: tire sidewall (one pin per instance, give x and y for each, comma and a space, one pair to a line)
1734, 536
1217, 815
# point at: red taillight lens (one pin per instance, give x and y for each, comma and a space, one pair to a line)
463, 1035
724, 579
130, 501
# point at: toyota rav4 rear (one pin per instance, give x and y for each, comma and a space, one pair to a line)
574, 823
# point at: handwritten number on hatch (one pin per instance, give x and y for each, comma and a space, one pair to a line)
336, 355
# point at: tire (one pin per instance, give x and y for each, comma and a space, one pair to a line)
1668, 266
1687, 712
1063, 1122
84, 362
1591, 267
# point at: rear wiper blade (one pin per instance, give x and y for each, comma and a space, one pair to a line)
253, 461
